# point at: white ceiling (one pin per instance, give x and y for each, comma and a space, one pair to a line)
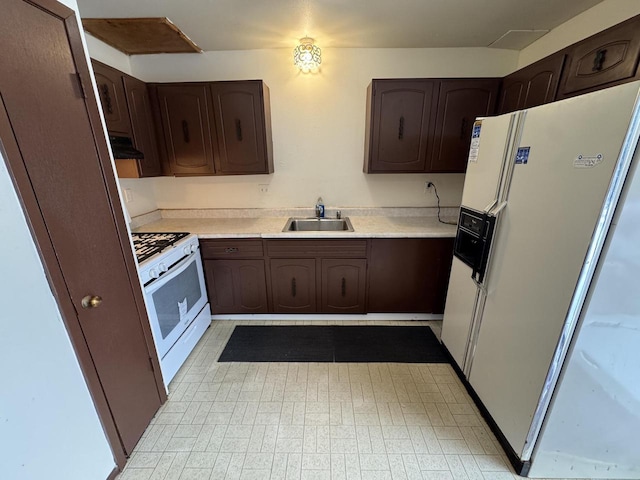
254, 24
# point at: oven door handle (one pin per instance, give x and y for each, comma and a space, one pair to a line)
177, 269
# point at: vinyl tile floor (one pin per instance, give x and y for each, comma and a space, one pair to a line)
315, 421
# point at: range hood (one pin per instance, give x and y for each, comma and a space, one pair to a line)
122, 148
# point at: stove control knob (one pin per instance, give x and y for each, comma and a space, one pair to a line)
163, 268
186, 249
194, 248
153, 273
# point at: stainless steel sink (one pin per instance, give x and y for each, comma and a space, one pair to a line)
318, 225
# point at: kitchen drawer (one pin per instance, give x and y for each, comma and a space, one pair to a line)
231, 248
317, 248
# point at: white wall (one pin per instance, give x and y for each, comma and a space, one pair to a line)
318, 126
48, 421
47, 416
589, 22
107, 54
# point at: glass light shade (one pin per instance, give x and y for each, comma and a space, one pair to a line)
307, 56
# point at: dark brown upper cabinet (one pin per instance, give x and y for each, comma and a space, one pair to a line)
144, 136
460, 101
243, 127
536, 84
112, 98
185, 115
400, 116
603, 60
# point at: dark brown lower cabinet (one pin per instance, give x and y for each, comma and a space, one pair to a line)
236, 286
409, 274
343, 285
293, 283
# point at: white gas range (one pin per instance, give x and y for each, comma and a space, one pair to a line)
170, 269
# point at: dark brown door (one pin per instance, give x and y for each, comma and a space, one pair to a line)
236, 286
185, 117
293, 284
112, 98
239, 113
409, 274
459, 103
533, 85
605, 59
144, 135
400, 125
58, 157
343, 285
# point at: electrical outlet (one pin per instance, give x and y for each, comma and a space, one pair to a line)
128, 195
264, 188
427, 186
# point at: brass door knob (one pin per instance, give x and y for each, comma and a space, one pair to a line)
91, 301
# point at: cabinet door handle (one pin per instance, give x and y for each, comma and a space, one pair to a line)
344, 286
185, 131
230, 250
599, 59
239, 130
401, 128
293, 287
463, 128
104, 89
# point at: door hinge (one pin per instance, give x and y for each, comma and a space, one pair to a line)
151, 364
81, 85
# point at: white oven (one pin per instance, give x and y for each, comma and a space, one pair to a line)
177, 304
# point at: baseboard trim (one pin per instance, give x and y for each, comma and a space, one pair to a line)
401, 317
521, 467
114, 473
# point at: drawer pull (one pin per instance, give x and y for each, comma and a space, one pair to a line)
238, 130
598, 61
344, 286
401, 128
293, 287
231, 250
185, 131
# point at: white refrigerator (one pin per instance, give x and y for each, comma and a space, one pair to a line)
540, 194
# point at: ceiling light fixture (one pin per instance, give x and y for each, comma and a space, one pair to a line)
307, 56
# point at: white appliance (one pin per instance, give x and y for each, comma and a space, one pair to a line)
170, 269
539, 196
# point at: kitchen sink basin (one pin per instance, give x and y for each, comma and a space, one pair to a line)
318, 225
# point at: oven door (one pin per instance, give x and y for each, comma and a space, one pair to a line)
174, 300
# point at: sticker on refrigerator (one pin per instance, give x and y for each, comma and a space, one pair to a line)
522, 155
587, 161
475, 142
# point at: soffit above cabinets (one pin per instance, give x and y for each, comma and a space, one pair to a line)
251, 24
140, 36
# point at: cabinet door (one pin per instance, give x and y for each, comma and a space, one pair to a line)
239, 111
112, 98
144, 136
605, 59
185, 115
293, 284
343, 285
409, 274
399, 126
459, 103
533, 85
236, 286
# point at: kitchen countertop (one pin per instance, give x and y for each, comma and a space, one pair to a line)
271, 227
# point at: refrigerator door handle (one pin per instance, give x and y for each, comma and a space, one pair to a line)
498, 209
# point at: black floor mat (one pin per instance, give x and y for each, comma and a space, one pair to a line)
340, 344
